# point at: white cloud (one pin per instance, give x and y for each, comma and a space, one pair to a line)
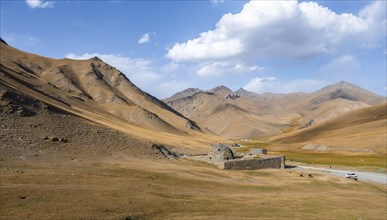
375, 11
170, 67
217, 2
138, 70
19, 40
345, 65
144, 38
168, 88
376, 16
273, 85
259, 85
208, 46
224, 67
40, 4
9, 38
280, 29
31, 39
28, 41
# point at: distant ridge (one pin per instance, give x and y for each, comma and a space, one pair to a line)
348, 91
185, 93
245, 114
243, 92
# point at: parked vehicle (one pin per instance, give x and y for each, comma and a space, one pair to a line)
351, 176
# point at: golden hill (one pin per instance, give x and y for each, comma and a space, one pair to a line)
99, 92
364, 128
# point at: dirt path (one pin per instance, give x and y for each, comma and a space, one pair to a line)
362, 176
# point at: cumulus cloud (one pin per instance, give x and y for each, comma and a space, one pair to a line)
273, 85
138, 70
281, 29
224, 67
144, 38
376, 16
40, 4
345, 64
375, 11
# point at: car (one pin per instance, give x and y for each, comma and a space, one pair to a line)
351, 175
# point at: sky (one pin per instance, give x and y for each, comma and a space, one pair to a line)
167, 46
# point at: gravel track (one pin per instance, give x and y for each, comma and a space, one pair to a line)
362, 175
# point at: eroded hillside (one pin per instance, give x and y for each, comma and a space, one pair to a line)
100, 93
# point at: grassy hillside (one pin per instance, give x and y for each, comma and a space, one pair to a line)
360, 129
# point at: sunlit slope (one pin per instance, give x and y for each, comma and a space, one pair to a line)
364, 128
228, 114
96, 91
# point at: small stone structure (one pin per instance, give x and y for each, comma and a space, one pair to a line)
220, 153
275, 162
222, 156
258, 151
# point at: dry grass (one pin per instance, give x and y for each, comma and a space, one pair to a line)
140, 189
294, 124
360, 129
366, 161
341, 159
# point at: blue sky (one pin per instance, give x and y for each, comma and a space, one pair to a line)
167, 46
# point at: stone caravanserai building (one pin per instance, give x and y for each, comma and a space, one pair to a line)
222, 156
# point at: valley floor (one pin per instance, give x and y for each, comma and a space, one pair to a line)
181, 189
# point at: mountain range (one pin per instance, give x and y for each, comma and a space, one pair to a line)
190, 120
243, 114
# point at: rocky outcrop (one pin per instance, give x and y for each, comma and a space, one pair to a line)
166, 152
232, 96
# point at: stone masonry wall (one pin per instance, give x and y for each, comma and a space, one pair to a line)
258, 151
254, 164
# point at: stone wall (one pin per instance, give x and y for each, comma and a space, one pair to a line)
258, 151
277, 162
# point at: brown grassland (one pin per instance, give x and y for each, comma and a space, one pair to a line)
360, 161
183, 189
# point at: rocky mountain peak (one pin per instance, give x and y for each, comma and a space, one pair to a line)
95, 59
221, 89
191, 90
342, 85
348, 91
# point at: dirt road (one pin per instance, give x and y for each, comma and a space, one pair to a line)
362, 176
